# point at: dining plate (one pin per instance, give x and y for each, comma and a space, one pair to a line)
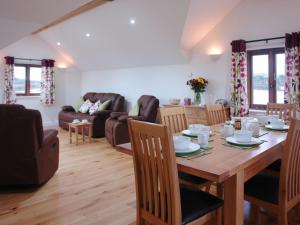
285, 127
254, 141
190, 134
193, 147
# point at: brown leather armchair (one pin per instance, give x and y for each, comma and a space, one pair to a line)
29, 155
68, 114
116, 129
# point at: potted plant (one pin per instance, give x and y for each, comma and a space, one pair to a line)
198, 85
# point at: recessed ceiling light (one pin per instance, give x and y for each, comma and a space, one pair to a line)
132, 21
87, 34
58, 44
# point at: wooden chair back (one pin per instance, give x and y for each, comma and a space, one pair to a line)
289, 192
156, 175
285, 111
174, 118
215, 113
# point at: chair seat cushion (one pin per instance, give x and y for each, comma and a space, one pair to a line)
191, 178
275, 166
263, 187
195, 204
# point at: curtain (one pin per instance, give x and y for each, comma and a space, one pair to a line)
9, 93
47, 82
239, 98
292, 75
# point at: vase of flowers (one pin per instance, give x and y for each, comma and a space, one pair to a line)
198, 85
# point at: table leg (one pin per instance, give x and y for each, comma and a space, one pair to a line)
76, 135
70, 133
234, 200
90, 133
82, 132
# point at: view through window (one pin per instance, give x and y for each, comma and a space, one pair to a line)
27, 79
266, 70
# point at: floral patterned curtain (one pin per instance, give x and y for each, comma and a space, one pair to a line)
239, 98
47, 83
292, 76
9, 93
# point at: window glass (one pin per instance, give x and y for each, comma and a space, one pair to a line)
260, 79
20, 79
279, 73
35, 80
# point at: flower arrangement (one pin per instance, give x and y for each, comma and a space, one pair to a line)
197, 84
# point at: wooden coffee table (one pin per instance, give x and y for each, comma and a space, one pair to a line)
82, 127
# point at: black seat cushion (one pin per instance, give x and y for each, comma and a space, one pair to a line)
275, 166
195, 203
191, 178
263, 187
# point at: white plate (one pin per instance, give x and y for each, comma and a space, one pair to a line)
254, 141
192, 148
190, 134
284, 128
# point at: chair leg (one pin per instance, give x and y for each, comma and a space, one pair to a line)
283, 218
219, 216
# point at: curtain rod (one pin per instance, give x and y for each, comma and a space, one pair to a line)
265, 39
39, 60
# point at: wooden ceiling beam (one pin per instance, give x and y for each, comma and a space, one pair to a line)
84, 8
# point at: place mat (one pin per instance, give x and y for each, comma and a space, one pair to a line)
243, 147
187, 155
262, 133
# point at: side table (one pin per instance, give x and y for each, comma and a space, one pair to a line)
82, 127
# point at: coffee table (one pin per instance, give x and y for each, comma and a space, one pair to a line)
82, 127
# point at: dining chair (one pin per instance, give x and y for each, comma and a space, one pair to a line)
285, 111
279, 194
215, 113
159, 197
175, 119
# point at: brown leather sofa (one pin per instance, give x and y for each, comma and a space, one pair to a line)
68, 114
29, 154
116, 129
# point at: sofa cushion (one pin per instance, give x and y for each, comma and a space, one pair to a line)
85, 106
79, 102
105, 105
95, 107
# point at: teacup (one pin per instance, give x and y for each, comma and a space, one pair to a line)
277, 124
243, 136
181, 142
227, 130
84, 121
76, 121
273, 118
195, 128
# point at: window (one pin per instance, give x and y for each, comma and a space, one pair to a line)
27, 79
266, 69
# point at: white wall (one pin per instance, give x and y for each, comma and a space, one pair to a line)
251, 19
67, 81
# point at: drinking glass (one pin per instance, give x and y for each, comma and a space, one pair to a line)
203, 138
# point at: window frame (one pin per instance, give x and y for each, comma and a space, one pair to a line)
27, 79
271, 52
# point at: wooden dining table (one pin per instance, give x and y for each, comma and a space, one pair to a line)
230, 166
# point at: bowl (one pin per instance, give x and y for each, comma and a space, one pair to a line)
174, 101
76, 121
181, 143
84, 121
195, 128
243, 136
277, 124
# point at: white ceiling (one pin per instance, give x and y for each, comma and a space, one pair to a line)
115, 43
203, 16
19, 18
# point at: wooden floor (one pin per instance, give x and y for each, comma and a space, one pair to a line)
94, 185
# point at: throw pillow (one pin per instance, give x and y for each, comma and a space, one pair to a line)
134, 111
104, 105
94, 107
84, 108
78, 103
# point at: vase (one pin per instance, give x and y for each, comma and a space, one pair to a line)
197, 98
